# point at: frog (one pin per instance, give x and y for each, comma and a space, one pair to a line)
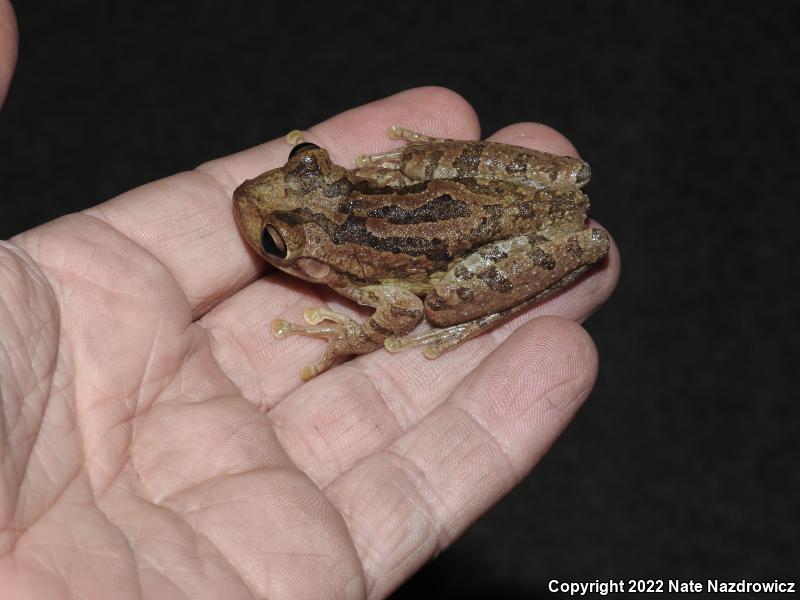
461, 234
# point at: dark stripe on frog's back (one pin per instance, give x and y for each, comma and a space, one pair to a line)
422, 201
367, 188
440, 199
345, 186
354, 230
466, 212
439, 208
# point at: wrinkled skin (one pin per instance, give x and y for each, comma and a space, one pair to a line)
157, 442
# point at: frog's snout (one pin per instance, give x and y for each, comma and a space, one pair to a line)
246, 214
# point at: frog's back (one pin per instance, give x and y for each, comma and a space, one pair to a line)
414, 233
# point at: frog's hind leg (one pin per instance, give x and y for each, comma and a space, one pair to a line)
439, 341
498, 281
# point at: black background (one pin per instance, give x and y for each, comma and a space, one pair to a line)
684, 462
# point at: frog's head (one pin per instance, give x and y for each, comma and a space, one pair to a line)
274, 210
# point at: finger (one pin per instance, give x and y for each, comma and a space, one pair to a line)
358, 408
8, 47
409, 501
537, 136
186, 220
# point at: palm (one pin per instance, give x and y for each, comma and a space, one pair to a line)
157, 440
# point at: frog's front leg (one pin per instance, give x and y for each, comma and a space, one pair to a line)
391, 159
498, 281
397, 311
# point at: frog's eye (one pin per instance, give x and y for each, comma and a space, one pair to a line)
272, 243
302, 147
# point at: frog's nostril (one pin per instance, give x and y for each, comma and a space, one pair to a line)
272, 243
302, 147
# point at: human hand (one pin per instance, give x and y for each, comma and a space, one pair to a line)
157, 440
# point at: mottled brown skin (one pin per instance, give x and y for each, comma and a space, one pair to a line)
458, 159
478, 230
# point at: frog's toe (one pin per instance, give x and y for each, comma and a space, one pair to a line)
434, 351
398, 132
295, 137
314, 316
281, 328
311, 370
385, 160
436, 341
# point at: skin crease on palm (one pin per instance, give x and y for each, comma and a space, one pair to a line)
157, 441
